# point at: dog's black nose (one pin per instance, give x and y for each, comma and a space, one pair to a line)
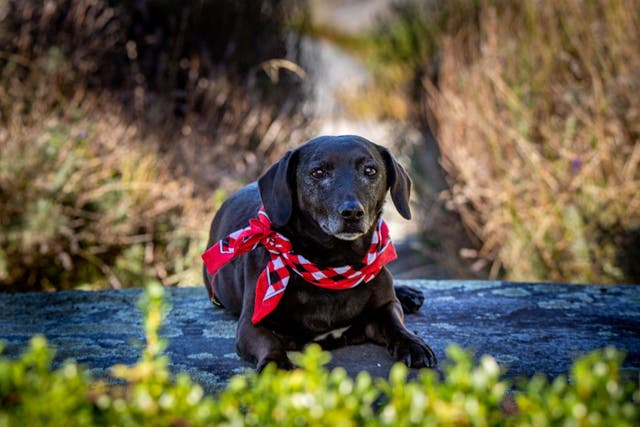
351, 210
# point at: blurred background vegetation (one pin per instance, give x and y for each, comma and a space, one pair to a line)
124, 124
535, 108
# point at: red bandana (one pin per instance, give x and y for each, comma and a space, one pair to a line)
273, 280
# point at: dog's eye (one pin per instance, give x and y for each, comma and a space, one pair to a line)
319, 173
370, 171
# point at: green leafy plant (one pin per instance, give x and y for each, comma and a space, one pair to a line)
473, 394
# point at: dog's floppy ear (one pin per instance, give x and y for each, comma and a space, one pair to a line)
398, 183
276, 189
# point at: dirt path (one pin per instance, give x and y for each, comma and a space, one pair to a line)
330, 71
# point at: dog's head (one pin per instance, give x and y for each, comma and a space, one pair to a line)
339, 182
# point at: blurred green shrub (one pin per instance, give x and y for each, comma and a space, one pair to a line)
80, 208
119, 120
31, 393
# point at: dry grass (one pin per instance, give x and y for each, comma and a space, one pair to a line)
117, 146
538, 120
90, 203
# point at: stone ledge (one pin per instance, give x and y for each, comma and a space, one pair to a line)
528, 328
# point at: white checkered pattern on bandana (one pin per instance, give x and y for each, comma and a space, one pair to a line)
274, 278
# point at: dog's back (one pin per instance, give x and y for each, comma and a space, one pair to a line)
234, 214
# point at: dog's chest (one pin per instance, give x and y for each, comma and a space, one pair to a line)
309, 310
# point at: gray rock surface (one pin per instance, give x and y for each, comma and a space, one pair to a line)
528, 328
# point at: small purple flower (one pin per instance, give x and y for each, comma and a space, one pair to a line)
576, 164
82, 133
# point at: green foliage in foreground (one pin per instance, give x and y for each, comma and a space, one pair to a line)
31, 393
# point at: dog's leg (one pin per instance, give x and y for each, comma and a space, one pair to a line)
258, 344
410, 298
387, 328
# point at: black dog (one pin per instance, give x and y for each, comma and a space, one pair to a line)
326, 198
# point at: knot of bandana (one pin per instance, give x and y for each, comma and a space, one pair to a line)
273, 280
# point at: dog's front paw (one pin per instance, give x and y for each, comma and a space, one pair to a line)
281, 361
415, 353
411, 299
